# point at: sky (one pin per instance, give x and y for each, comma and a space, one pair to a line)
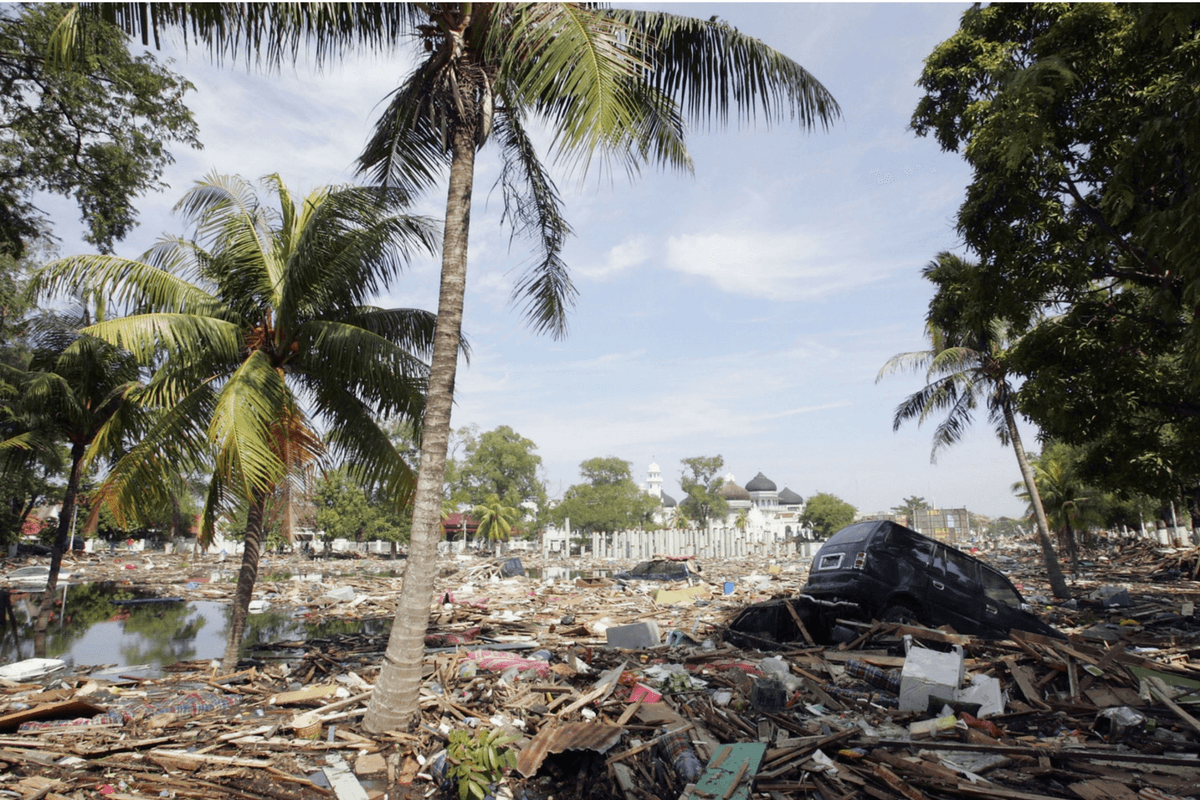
744, 310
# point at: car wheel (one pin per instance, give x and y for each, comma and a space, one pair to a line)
901, 614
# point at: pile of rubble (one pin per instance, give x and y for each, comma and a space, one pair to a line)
635, 691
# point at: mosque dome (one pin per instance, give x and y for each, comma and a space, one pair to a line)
789, 498
760, 483
654, 468
668, 501
731, 491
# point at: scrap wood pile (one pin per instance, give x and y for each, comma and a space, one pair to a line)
895, 712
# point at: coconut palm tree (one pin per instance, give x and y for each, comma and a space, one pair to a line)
257, 330
965, 367
72, 392
617, 83
496, 520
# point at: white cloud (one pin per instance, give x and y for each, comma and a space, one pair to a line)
793, 265
618, 258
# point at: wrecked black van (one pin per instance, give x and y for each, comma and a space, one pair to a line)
895, 574
884, 571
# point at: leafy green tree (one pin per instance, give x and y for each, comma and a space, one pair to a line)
1078, 123
702, 500
500, 462
607, 500
826, 514
496, 520
910, 506
965, 366
94, 129
615, 82
28, 474
266, 307
345, 510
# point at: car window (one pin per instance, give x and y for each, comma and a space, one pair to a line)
997, 588
906, 541
955, 567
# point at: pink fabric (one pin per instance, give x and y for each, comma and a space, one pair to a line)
498, 662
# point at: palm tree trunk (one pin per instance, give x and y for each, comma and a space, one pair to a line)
246, 580
394, 699
65, 516
1058, 584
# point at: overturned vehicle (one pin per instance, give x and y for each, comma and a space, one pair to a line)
883, 571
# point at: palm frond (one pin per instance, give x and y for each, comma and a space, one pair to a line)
533, 207
187, 335
174, 442
572, 65
349, 245
387, 378
407, 150
409, 328
240, 429
126, 281
365, 449
709, 67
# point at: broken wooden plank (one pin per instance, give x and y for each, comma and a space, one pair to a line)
342, 780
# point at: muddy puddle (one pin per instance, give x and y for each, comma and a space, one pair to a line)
116, 626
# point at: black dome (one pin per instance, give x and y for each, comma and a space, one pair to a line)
760, 483
788, 497
668, 501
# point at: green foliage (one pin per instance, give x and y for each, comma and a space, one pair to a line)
826, 514
910, 506
478, 762
1078, 121
608, 500
345, 510
499, 462
496, 520
235, 330
94, 129
700, 486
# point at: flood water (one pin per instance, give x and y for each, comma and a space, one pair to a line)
93, 627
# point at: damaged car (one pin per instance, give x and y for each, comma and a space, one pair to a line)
883, 571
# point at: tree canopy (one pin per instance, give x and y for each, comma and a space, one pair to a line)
607, 500
1078, 121
95, 129
500, 462
826, 514
702, 500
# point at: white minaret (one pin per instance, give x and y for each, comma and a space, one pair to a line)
654, 481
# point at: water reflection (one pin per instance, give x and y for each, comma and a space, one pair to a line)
92, 627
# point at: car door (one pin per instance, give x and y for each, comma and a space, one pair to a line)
954, 595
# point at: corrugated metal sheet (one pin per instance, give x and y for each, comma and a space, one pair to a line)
570, 736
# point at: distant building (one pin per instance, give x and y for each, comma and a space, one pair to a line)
770, 514
951, 525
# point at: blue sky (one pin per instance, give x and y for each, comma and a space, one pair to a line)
743, 311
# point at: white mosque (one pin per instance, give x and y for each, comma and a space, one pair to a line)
759, 509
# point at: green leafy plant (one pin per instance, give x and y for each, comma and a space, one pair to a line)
477, 762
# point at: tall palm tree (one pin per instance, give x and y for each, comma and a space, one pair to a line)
73, 392
614, 82
256, 329
496, 520
964, 367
